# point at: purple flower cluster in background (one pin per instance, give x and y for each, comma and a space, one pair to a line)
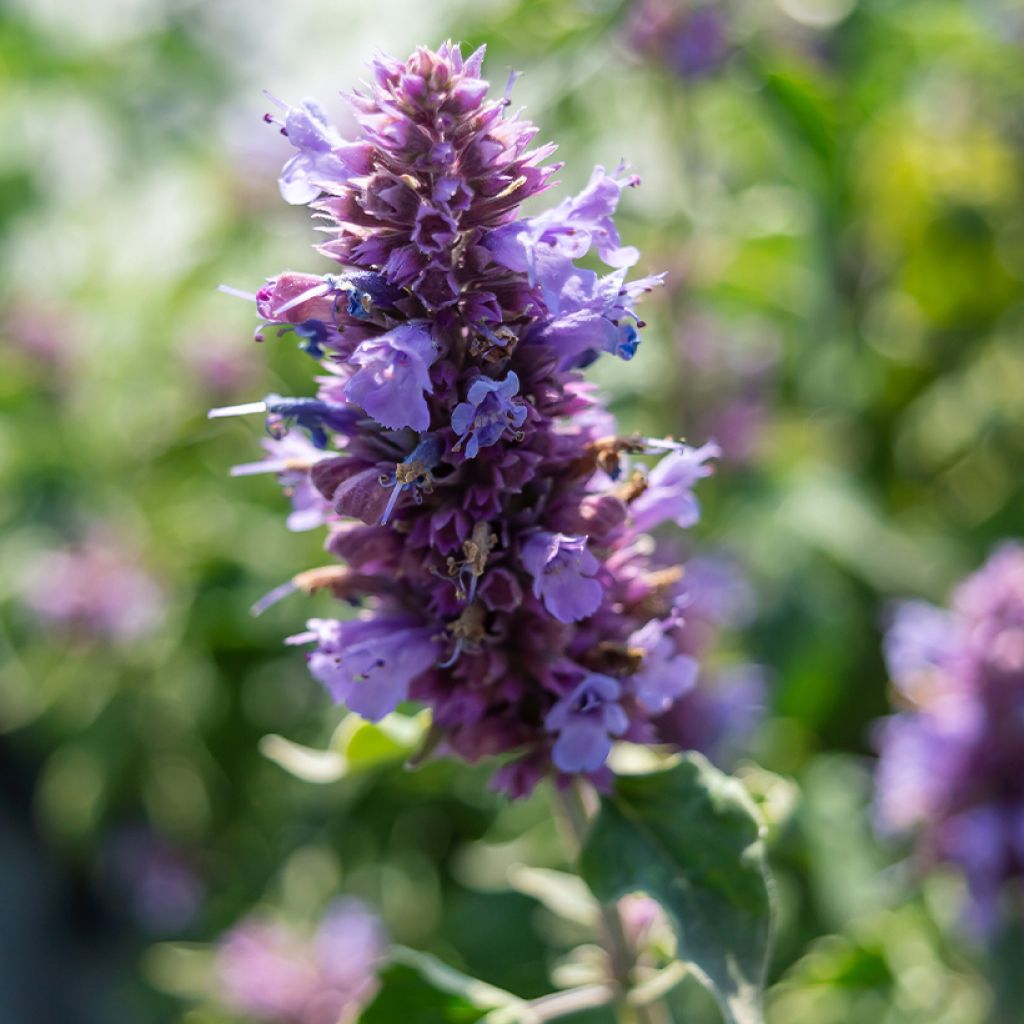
690, 38
952, 762
268, 971
727, 383
96, 589
157, 881
489, 521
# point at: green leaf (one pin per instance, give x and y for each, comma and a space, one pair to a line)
365, 745
356, 745
306, 763
689, 837
405, 995
418, 987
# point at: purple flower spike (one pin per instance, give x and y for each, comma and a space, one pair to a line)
368, 664
952, 763
468, 473
563, 569
394, 376
669, 493
585, 721
490, 411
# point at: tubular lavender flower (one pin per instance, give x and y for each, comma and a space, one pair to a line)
951, 762
467, 475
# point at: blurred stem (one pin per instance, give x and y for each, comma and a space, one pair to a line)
575, 818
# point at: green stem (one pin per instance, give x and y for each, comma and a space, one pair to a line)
576, 823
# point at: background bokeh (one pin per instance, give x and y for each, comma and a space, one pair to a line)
835, 188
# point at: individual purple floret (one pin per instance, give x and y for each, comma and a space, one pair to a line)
291, 458
952, 762
368, 664
490, 410
393, 378
585, 721
486, 516
563, 570
271, 972
668, 494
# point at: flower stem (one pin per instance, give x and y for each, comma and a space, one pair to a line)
575, 818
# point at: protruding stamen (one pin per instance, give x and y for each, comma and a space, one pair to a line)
270, 599
247, 409
454, 657
228, 289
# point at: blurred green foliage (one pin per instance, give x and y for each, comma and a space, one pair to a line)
846, 193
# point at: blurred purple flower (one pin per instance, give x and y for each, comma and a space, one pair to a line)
270, 972
97, 588
689, 37
160, 885
726, 700
951, 764
217, 368
727, 382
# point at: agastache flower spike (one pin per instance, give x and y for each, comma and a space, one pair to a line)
470, 479
952, 761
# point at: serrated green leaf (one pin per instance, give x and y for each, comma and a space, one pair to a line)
689, 837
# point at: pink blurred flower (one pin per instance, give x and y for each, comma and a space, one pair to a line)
272, 972
97, 588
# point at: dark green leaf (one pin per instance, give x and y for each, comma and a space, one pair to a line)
689, 837
418, 987
405, 995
